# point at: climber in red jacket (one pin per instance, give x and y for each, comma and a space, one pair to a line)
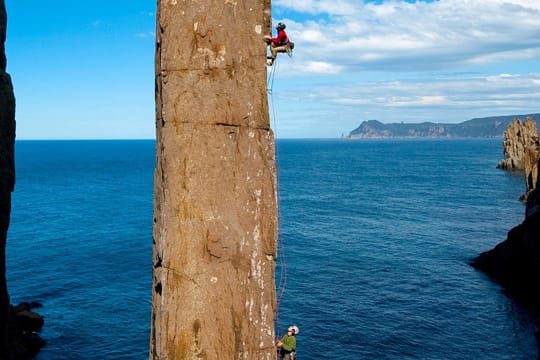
279, 44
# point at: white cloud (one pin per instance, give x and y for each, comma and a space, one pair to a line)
316, 67
442, 98
334, 7
450, 92
146, 35
441, 61
397, 35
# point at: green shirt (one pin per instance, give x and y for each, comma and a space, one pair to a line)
289, 343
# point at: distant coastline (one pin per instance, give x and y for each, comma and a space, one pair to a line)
488, 127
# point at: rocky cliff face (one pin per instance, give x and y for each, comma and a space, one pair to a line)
532, 157
515, 262
215, 209
7, 172
517, 137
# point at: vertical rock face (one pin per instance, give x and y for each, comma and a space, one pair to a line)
7, 172
521, 152
517, 137
532, 156
215, 209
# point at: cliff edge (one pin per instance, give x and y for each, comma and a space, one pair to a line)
215, 203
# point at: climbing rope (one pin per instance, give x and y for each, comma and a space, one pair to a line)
280, 246
271, 76
283, 279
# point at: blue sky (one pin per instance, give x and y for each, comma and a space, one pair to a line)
85, 69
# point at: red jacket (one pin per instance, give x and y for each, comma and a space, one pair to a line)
281, 38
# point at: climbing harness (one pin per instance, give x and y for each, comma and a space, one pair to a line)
290, 47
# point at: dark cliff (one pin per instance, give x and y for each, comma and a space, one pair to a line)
18, 324
474, 128
515, 262
7, 173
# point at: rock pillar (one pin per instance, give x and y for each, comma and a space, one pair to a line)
531, 159
215, 208
517, 137
7, 173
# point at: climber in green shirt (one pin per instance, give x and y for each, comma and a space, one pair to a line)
288, 343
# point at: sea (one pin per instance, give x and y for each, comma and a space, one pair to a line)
375, 238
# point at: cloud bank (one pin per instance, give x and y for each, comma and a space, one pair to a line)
399, 36
440, 61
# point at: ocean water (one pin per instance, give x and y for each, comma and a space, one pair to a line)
80, 243
375, 238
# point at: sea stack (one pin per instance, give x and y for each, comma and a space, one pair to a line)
517, 137
215, 207
531, 159
7, 173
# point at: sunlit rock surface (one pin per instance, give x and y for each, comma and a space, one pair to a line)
517, 137
215, 208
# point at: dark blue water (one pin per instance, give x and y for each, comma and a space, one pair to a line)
80, 243
375, 235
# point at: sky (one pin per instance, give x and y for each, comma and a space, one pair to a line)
84, 69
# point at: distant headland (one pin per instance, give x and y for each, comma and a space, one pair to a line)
488, 127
